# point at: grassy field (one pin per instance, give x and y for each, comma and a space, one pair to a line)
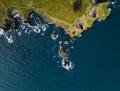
61, 9
58, 11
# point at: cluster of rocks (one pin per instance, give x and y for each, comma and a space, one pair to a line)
66, 63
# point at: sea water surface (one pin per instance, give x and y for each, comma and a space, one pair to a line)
32, 63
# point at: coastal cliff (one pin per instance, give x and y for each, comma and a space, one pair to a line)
74, 16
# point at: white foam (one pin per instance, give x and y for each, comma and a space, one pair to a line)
17, 15
72, 47
51, 23
23, 26
115, 4
43, 34
99, 20
112, 2
109, 9
26, 30
80, 35
54, 56
57, 61
9, 39
19, 33
2, 31
37, 30
31, 16
67, 67
60, 42
44, 27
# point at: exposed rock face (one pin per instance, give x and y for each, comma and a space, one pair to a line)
93, 12
79, 24
14, 12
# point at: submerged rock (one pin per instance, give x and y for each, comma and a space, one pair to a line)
66, 42
15, 13
79, 24
2, 31
93, 12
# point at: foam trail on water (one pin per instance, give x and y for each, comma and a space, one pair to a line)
2, 32
115, 4
9, 38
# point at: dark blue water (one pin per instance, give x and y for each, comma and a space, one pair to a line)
32, 63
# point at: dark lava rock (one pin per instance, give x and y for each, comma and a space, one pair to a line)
9, 24
77, 5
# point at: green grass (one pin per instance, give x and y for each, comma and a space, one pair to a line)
60, 10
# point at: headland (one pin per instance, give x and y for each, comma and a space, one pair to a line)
74, 16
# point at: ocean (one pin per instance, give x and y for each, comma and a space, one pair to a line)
32, 62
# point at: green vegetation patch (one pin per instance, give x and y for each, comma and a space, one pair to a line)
60, 9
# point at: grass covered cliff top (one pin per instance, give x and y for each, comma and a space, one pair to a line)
74, 16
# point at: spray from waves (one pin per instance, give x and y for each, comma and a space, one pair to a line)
23, 27
36, 24
115, 4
